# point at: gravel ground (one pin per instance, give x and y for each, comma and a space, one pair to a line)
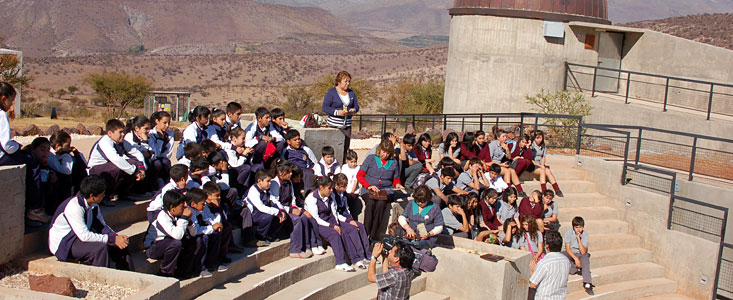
17, 278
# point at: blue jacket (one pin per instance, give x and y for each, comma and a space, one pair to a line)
332, 103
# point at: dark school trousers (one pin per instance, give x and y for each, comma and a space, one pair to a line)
334, 239
101, 255
267, 227
116, 179
355, 241
584, 262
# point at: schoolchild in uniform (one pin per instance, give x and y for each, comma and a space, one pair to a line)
196, 131
304, 230
509, 236
468, 149
472, 179
197, 171
508, 208
500, 155
353, 233
268, 215
234, 114
484, 153
575, 248
533, 206
278, 128
169, 241
117, 161
324, 210
489, 209
424, 152
422, 219
161, 140
530, 239
540, 152
137, 133
551, 209
259, 137
410, 163
217, 130
207, 230
191, 151
353, 191
523, 156
217, 207
78, 231
38, 152
443, 185
301, 156
221, 176
68, 163
297, 180
239, 158
328, 165
178, 179
496, 182
452, 225
450, 148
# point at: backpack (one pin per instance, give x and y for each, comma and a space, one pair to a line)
422, 178
424, 261
309, 121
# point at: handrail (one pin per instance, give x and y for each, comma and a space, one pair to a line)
652, 75
692, 135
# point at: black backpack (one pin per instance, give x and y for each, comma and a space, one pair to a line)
422, 178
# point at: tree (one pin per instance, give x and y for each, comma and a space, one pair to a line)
299, 101
119, 90
9, 71
61, 93
562, 131
72, 89
417, 95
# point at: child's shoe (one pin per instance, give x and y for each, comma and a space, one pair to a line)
344, 267
318, 250
360, 264
588, 288
205, 274
222, 268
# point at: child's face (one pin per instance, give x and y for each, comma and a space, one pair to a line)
163, 124
264, 120
295, 179
514, 228
202, 120
221, 166
328, 159
492, 200
65, 146
351, 163
472, 203
538, 139
446, 179
481, 139
198, 205
340, 188
280, 121
177, 210
220, 120
454, 208
294, 142
285, 175
41, 153
181, 183
512, 198
235, 116
525, 226
213, 199
534, 198
238, 140
578, 229
454, 143
142, 132
116, 135
264, 184
547, 199
425, 144
325, 190
493, 175
408, 147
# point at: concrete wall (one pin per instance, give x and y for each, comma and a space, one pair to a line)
13, 212
464, 275
688, 259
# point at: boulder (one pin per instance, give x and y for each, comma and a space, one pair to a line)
31, 130
52, 284
14, 132
70, 130
53, 129
96, 130
177, 134
82, 129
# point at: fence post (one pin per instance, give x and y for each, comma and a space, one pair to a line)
666, 94
463, 124
521, 119
535, 123
595, 75
384, 124
638, 148
565, 79
580, 134
710, 101
361, 123
445, 122
720, 253
692, 158
628, 84
413, 123
626, 158
481, 122
671, 202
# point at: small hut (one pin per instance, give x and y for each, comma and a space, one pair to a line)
178, 104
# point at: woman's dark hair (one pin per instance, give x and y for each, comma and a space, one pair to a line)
59, 137
422, 194
92, 185
159, 115
172, 199
539, 133
468, 139
198, 111
138, 122
509, 192
386, 146
322, 181
424, 137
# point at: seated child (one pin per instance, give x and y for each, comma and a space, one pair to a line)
78, 230
197, 171
489, 211
214, 204
116, 160
278, 128
196, 132
239, 158
531, 206
576, 249
301, 156
501, 155
136, 133
207, 230
297, 180
260, 138
353, 233
179, 177
472, 180
410, 163
304, 240
443, 185
551, 210
451, 224
193, 150
268, 215
530, 239
217, 130
508, 207
350, 169
496, 182
422, 219
319, 205
328, 165
68, 164
424, 152
509, 236
161, 140
167, 238
221, 177
234, 114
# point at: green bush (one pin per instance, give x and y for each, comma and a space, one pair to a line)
417, 95
561, 103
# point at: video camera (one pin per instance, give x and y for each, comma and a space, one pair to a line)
424, 260
390, 241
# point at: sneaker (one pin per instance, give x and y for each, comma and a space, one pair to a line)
108, 203
522, 195
588, 288
205, 274
261, 243
559, 193
360, 264
344, 267
318, 250
38, 215
300, 255
222, 268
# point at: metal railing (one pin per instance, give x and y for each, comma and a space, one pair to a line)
699, 95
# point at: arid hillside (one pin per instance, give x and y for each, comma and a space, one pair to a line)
713, 29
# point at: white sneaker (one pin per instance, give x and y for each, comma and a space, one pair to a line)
366, 262
360, 264
318, 250
344, 267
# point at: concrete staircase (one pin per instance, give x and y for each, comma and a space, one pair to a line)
621, 268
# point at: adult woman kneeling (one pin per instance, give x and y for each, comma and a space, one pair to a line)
379, 172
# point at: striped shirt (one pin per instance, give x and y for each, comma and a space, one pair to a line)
551, 277
395, 283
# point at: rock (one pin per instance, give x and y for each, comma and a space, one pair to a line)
70, 130
31, 130
14, 132
362, 134
52, 284
82, 129
53, 129
410, 129
96, 130
177, 134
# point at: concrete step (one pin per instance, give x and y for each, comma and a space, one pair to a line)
136, 233
581, 200
561, 174
567, 186
613, 241
617, 273
369, 291
325, 285
667, 297
599, 226
427, 295
604, 258
566, 214
262, 282
125, 212
632, 289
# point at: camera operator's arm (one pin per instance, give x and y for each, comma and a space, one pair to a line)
372, 271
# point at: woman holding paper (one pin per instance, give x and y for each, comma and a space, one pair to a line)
340, 104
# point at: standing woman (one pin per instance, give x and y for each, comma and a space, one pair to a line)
340, 104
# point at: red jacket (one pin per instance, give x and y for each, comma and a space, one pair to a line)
526, 209
489, 216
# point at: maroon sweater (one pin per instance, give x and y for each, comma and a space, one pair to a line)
489, 216
525, 208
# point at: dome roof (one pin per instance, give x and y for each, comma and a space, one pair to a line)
566, 10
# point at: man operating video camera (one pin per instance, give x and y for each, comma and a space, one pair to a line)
396, 278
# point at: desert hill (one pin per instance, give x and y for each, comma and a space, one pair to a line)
80, 27
713, 29
624, 11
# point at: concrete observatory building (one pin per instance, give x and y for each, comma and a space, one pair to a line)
502, 50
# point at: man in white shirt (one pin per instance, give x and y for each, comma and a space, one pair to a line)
550, 275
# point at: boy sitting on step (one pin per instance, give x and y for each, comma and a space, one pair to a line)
268, 215
575, 249
179, 176
209, 234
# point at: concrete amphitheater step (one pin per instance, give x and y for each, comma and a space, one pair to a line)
567, 186
369, 291
600, 226
262, 282
561, 174
325, 285
617, 273
667, 297
136, 233
125, 212
428, 295
581, 200
566, 214
613, 241
604, 258
632, 289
